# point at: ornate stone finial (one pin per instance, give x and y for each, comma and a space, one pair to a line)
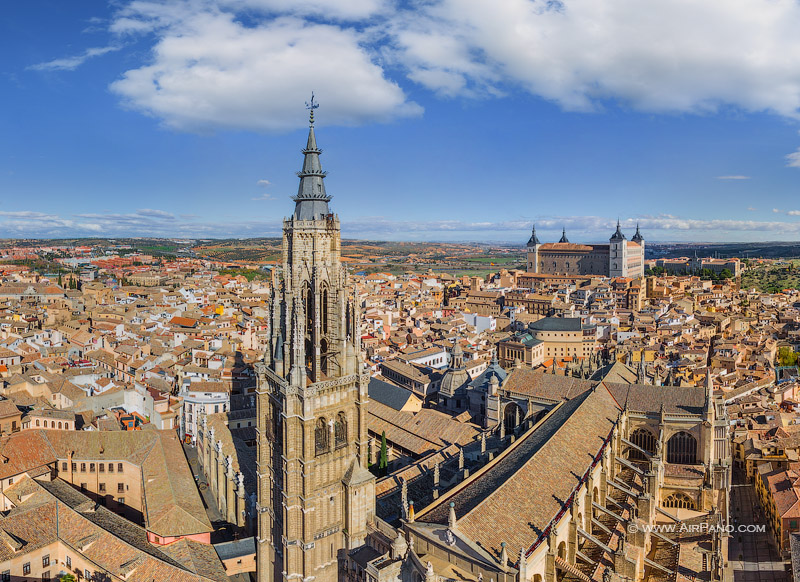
483, 442
503, 555
461, 458
451, 516
399, 546
410, 512
430, 576
436, 474
311, 106
523, 565
404, 499
240, 483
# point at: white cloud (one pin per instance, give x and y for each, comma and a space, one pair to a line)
72, 63
664, 55
246, 64
793, 212
155, 213
209, 70
733, 177
793, 159
338, 10
579, 228
264, 197
752, 208
777, 210
264, 183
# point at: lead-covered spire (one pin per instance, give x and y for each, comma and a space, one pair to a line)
637, 238
311, 202
618, 234
534, 240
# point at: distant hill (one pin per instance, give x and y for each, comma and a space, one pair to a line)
764, 250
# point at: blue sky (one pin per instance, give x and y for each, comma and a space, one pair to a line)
440, 119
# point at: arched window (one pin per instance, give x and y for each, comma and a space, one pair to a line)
562, 551
682, 449
340, 430
37, 422
321, 436
45, 424
324, 309
512, 416
308, 307
59, 425
323, 348
679, 500
644, 439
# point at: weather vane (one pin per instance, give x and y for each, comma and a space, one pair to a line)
311, 107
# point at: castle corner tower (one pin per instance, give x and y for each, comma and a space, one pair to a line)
315, 495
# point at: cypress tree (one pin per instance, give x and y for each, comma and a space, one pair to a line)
383, 462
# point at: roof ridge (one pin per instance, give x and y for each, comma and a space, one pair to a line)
584, 397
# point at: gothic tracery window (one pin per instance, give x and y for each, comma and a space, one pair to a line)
643, 439
679, 500
321, 436
682, 449
340, 430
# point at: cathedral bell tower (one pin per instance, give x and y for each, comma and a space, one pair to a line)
315, 495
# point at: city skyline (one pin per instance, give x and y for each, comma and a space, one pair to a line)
183, 119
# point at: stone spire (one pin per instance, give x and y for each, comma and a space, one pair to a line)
523, 565
311, 202
534, 240
642, 377
451, 516
564, 238
404, 499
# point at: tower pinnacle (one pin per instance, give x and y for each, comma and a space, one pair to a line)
564, 238
618, 234
311, 202
637, 238
534, 240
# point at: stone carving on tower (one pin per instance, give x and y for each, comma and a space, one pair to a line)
315, 495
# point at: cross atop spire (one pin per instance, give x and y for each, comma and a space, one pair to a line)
564, 238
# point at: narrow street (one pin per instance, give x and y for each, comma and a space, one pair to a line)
753, 557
